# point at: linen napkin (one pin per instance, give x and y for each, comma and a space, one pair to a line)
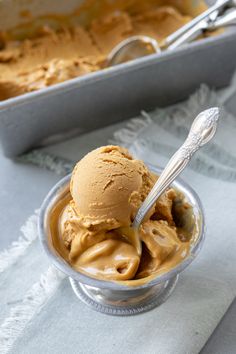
40, 313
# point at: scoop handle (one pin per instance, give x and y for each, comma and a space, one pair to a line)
206, 25
189, 35
226, 20
220, 4
201, 132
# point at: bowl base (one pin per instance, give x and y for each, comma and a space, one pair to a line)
120, 303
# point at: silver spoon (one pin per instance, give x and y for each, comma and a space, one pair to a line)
137, 46
201, 132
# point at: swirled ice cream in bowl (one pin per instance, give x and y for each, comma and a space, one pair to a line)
84, 228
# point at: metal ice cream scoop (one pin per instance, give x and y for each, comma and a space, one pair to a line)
138, 46
201, 132
207, 25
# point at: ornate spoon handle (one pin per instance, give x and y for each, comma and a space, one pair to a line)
202, 130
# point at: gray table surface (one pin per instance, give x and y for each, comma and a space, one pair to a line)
23, 188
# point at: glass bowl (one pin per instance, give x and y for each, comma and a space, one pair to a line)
111, 297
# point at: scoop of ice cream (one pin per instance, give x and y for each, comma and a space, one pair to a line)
108, 186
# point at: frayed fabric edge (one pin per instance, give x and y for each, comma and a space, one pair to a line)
59, 165
9, 256
134, 127
32, 303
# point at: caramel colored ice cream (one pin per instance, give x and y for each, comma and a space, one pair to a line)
107, 187
51, 51
55, 57
157, 23
91, 228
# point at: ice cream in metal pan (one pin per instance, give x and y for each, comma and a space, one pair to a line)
141, 45
52, 50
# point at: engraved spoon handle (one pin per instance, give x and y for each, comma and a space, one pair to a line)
202, 130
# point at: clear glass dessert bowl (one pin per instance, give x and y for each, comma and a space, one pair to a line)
112, 297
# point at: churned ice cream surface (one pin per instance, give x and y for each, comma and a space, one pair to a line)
37, 56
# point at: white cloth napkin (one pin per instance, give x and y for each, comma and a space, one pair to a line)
39, 312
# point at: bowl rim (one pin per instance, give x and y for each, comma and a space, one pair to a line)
63, 266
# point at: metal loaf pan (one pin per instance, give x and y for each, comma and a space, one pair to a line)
115, 94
